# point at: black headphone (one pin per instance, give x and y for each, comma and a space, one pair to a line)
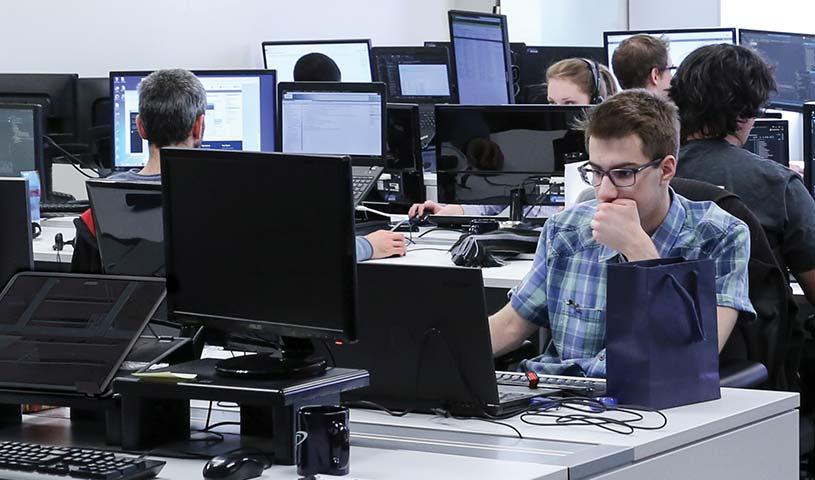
596, 98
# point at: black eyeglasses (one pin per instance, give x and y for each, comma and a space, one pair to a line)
620, 177
672, 68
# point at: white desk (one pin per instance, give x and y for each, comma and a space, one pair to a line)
43, 245
746, 434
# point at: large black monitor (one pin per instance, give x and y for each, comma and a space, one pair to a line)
240, 113
404, 147
683, 41
21, 147
55, 93
484, 152
809, 146
353, 57
333, 118
129, 226
481, 58
792, 57
414, 74
770, 139
294, 277
15, 229
93, 109
536, 60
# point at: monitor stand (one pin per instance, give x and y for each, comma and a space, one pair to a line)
296, 360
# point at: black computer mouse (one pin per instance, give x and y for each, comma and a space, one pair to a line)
235, 466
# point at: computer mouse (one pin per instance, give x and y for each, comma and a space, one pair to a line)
235, 466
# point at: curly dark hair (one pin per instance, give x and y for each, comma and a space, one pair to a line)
718, 85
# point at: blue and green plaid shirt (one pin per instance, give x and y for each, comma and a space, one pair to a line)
565, 290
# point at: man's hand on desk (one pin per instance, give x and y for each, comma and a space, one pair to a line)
387, 244
432, 208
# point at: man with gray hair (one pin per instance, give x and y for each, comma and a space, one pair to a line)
171, 114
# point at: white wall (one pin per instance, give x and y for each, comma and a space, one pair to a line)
782, 15
92, 37
564, 22
656, 14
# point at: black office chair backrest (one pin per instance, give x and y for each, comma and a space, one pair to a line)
773, 339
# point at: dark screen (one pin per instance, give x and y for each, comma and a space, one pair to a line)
770, 139
792, 57
129, 227
404, 147
56, 93
20, 145
260, 242
15, 229
71, 333
483, 152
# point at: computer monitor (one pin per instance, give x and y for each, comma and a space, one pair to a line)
792, 57
809, 146
353, 57
404, 147
294, 277
334, 119
414, 74
94, 121
481, 58
15, 229
683, 41
240, 113
55, 92
21, 147
484, 152
129, 226
537, 59
770, 139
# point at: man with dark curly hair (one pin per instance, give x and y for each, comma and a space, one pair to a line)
720, 90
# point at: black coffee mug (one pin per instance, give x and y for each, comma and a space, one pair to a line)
324, 441
36, 229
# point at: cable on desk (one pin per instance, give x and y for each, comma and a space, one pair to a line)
209, 428
428, 248
438, 229
486, 418
587, 409
374, 405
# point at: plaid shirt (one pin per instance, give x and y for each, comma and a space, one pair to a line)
565, 290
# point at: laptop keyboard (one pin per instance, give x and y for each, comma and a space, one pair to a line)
363, 181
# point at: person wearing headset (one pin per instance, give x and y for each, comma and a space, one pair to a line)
573, 81
318, 67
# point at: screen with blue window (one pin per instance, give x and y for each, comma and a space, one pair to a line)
481, 58
240, 113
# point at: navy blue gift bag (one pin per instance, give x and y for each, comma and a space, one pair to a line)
661, 334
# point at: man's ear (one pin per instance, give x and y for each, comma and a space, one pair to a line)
197, 132
140, 127
667, 170
653, 77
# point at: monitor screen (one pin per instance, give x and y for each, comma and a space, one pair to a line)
56, 93
404, 145
244, 289
769, 139
15, 229
353, 57
414, 74
792, 58
682, 42
809, 146
20, 139
332, 118
484, 151
240, 113
481, 61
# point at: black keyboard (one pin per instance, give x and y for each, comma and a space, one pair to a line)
31, 461
363, 181
67, 207
581, 385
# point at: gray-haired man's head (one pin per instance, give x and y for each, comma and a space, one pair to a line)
170, 104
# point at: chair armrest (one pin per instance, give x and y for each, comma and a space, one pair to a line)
743, 375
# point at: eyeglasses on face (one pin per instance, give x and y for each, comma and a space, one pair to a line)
620, 177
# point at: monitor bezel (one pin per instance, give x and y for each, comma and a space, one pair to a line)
451, 14
378, 88
144, 73
657, 32
772, 103
809, 150
416, 51
348, 332
319, 42
39, 147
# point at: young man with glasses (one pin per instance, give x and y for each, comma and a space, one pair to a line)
633, 140
643, 61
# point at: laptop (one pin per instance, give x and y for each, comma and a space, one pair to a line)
424, 337
129, 226
70, 333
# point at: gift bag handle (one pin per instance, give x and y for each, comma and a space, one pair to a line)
697, 321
